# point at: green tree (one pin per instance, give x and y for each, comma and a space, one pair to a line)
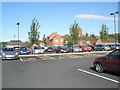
34, 34
74, 32
104, 32
3, 44
93, 36
44, 40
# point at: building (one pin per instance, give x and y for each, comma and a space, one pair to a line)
14, 43
55, 40
80, 32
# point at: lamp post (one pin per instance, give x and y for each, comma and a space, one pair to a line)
114, 22
14, 40
18, 33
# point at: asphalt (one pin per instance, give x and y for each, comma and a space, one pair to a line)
54, 73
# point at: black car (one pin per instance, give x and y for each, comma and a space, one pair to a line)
101, 47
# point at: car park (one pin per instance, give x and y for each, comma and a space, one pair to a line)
102, 47
38, 50
110, 62
24, 50
9, 53
85, 48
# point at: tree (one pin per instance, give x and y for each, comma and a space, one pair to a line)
93, 36
44, 40
34, 34
74, 32
104, 32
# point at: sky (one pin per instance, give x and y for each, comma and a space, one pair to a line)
55, 17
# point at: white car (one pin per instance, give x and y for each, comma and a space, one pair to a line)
38, 49
77, 49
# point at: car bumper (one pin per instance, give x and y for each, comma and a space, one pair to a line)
24, 53
10, 57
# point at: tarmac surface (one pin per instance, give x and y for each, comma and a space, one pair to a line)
56, 71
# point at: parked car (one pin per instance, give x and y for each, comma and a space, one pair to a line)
77, 49
10, 53
24, 50
85, 48
30, 50
50, 49
70, 48
46, 48
61, 49
1, 49
102, 47
112, 46
17, 49
117, 46
110, 62
38, 50
92, 46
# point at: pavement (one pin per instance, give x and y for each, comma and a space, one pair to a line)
71, 72
50, 56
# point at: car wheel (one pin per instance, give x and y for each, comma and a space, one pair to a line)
99, 67
103, 49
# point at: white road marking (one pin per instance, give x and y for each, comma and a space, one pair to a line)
21, 59
99, 76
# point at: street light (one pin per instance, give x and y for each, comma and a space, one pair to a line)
18, 33
114, 22
14, 40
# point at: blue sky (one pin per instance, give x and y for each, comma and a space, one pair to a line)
55, 17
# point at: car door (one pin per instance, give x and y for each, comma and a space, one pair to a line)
112, 61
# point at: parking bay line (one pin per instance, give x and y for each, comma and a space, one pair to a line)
21, 59
98, 76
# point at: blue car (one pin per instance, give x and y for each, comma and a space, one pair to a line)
24, 50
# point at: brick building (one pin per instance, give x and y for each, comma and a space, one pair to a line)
80, 32
14, 43
55, 40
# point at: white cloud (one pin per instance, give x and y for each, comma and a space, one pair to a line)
94, 17
109, 24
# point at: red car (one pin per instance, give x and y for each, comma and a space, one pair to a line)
86, 48
30, 50
61, 49
110, 62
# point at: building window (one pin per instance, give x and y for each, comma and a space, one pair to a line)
56, 45
61, 40
56, 40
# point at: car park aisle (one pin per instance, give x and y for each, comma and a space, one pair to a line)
57, 73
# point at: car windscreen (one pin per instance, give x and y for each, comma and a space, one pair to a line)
23, 48
37, 47
85, 46
50, 48
65, 47
8, 49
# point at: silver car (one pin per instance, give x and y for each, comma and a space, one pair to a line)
38, 49
76, 49
9, 53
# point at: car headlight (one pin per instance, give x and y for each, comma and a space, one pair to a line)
3, 53
17, 53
